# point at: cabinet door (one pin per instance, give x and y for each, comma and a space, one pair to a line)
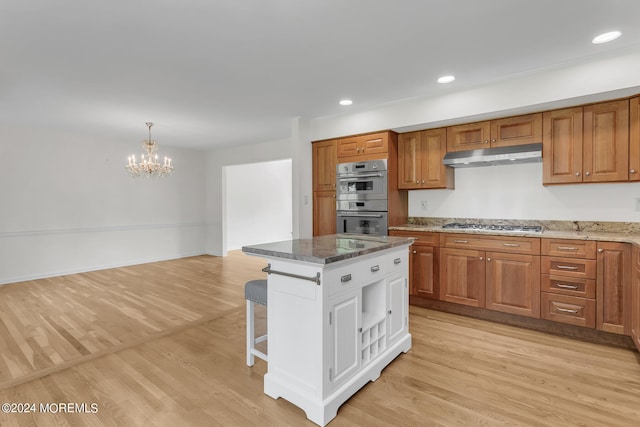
634, 139
324, 165
324, 213
462, 276
375, 143
562, 146
513, 283
516, 130
398, 319
424, 268
409, 159
348, 147
612, 287
635, 299
433, 174
468, 137
344, 354
606, 142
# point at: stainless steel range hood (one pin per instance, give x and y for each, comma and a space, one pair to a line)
528, 153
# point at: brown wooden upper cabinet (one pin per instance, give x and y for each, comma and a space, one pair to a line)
420, 160
363, 147
586, 144
324, 186
516, 130
324, 165
634, 139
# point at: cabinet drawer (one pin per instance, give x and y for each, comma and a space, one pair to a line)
343, 278
375, 268
397, 262
566, 309
422, 237
569, 248
585, 288
518, 245
583, 268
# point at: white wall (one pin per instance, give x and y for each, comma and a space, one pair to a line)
216, 161
258, 199
516, 192
68, 205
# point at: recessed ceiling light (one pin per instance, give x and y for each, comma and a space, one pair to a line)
606, 37
345, 102
446, 79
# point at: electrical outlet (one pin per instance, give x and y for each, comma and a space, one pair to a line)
423, 204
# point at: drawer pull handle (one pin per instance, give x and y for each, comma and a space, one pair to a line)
567, 248
398, 261
375, 268
460, 241
345, 278
567, 267
563, 286
566, 310
511, 245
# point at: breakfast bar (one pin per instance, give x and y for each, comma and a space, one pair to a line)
337, 315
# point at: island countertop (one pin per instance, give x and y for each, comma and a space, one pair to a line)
327, 249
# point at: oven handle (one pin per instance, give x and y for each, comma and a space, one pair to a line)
353, 177
362, 215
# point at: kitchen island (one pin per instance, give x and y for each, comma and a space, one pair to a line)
337, 314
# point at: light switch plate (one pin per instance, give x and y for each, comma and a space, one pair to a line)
423, 204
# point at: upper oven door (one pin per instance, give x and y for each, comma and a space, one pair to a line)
359, 186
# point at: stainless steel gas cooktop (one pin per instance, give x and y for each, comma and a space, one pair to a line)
495, 227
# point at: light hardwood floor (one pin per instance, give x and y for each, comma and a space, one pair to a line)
163, 344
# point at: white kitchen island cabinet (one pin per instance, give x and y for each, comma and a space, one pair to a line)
337, 314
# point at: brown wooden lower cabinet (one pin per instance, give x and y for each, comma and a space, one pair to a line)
462, 276
423, 263
635, 298
324, 213
613, 286
567, 309
513, 283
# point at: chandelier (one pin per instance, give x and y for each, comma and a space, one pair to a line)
149, 165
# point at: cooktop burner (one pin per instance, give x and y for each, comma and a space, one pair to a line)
494, 227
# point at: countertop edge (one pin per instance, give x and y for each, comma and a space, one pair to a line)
549, 234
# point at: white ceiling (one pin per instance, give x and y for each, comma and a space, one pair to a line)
222, 72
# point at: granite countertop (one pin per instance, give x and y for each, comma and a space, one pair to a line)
623, 232
327, 249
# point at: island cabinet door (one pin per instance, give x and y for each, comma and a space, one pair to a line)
513, 283
462, 276
344, 321
397, 309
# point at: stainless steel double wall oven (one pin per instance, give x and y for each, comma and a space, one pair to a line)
361, 197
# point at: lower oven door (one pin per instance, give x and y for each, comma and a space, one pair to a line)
373, 223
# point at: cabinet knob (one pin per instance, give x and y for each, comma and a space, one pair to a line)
423, 181
577, 173
632, 171
481, 258
493, 140
488, 259
600, 250
415, 252
334, 196
587, 173
486, 141
417, 182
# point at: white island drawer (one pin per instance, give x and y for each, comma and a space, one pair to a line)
344, 278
